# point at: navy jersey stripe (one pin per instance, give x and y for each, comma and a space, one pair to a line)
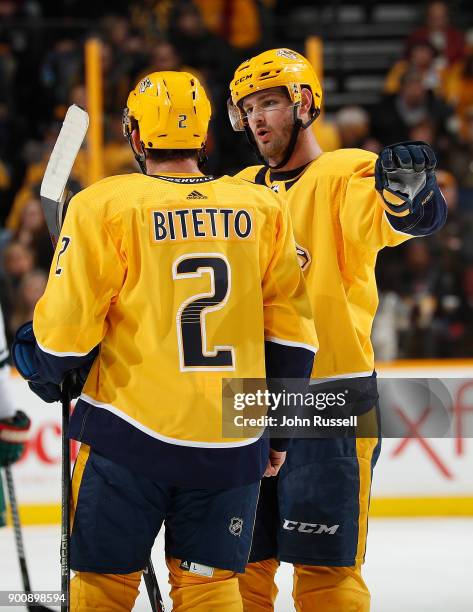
53, 368
183, 466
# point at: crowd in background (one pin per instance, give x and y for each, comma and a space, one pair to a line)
426, 286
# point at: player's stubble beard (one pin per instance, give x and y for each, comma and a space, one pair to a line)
274, 150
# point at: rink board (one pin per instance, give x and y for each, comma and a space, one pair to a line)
428, 477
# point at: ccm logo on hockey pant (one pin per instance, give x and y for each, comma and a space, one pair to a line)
309, 527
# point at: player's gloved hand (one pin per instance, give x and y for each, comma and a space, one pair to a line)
405, 176
24, 358
76, 379
14, 433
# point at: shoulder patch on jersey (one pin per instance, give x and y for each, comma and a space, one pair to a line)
303, 256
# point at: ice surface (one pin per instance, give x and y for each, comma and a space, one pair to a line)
422, 565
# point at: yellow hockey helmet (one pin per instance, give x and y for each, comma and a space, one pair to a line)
171, 110
274, 68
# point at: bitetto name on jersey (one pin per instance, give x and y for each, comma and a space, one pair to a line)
201, 223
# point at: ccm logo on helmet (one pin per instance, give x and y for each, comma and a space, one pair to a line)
243, 78
309, 527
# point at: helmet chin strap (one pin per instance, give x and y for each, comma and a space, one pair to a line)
140, 157
202, 157
298, 125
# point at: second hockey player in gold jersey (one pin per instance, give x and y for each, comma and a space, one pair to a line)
169, 281
345, 206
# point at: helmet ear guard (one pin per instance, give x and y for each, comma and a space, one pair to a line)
128, 125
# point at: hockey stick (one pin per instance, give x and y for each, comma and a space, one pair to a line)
65, 497
19, 540
152, 587
54, 199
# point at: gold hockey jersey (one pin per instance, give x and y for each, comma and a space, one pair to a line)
179, 280
340, 224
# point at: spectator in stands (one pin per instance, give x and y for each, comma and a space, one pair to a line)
424, 130
421, 57
123, 59
429, 131
116, 74
30, 289
240, 22
455, 239
419, 280
150, 18
353, 127
116, 154
447, 40
61, 69
18, 260
164, 56
33, 233
423, 310
350, 128
459, 160
396, 115
198, 47
459, 79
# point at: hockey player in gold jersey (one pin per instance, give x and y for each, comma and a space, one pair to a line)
168, 282
345, 206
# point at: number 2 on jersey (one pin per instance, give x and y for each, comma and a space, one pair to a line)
191, 331
66, 241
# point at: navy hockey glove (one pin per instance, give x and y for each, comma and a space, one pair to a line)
14, 433
405, 177
24, 358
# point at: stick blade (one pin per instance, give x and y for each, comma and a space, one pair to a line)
58, 170
68, 143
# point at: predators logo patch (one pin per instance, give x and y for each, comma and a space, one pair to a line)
303, 256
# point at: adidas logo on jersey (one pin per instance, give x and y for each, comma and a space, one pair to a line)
196, 195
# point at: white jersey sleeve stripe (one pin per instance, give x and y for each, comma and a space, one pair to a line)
308, 347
